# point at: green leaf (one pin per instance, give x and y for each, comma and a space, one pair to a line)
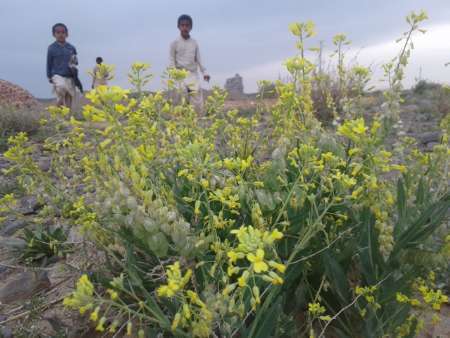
337, 275
268, 321
427, 222
401, 206
369, 254
420, 195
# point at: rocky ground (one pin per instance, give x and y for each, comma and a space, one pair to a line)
31, 298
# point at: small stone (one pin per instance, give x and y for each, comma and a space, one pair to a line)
10, 227
24, 286
4, 163
57, 272
7, 184
68, 173
29, 205
44, 163
80, 189
74, 235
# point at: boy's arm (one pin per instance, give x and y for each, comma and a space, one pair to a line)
49, 64
198, 60
172, 56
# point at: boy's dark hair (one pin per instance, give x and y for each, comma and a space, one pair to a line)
59, 24
99, 60
184, 17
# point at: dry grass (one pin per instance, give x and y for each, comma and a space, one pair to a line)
14, 120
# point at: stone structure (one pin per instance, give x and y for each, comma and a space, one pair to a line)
235, 87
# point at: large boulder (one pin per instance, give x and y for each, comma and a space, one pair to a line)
14, 96
235, 87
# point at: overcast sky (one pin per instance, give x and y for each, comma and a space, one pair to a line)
249, 37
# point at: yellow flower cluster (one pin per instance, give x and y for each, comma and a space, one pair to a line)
194, 313
83, 296
252, 247
368, 293
433, 297
175, 281
355, 130
316, 310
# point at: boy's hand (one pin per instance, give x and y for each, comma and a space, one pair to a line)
206, 77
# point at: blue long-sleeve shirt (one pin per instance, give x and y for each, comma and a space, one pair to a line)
58, 58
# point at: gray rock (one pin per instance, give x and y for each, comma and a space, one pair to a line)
29, 205
68, 173
4, 163
433, 136
235, 87
7, 184
56, 324
12, 226
44, 163
410, 109
74, 235
430, 146
6, 332
80, 189
12, 243
24, 286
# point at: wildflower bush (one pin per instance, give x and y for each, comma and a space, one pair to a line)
261, 226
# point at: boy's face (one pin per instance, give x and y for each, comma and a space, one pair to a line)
185, 28
60, 34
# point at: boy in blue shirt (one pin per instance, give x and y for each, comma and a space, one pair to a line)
61, 60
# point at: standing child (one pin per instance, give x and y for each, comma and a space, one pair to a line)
61, 60
99, 75
185, 54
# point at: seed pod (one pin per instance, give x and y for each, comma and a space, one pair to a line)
131, 202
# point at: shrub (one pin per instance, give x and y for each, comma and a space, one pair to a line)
260, 226
42, 244
14, 120
267, 90
423, 86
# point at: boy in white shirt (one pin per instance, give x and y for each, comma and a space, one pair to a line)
185, 54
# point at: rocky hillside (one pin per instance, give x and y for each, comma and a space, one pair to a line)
17, 97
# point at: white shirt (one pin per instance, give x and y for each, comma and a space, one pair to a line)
185, 54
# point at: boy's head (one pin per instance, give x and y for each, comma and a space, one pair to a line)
60, 32
185, 25
99, 60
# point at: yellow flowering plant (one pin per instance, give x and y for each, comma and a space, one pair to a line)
229, 223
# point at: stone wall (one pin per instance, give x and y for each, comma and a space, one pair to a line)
235, 88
